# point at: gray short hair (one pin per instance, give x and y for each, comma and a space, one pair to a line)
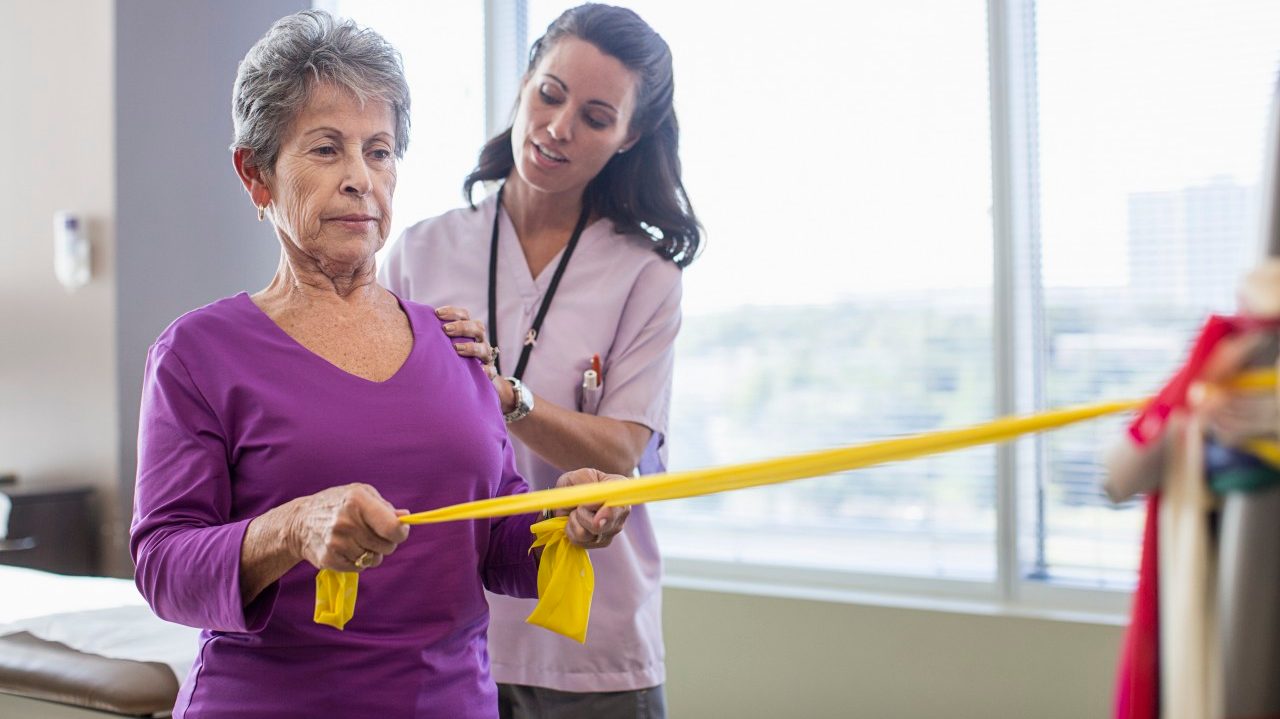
276, 77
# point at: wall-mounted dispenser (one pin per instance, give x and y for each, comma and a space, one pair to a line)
71, 251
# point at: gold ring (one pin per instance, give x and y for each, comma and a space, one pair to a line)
364, 560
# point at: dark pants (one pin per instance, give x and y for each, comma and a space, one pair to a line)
516, 701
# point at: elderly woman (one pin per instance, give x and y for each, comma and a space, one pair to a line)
285, 431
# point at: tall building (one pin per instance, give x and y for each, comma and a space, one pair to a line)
1191, 246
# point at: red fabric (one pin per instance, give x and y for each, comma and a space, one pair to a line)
1151, 420
1138, 679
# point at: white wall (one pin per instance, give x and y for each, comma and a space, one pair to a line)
731, 655
57, 360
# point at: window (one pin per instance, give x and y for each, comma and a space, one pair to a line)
842, 171
919, 215
1152, 119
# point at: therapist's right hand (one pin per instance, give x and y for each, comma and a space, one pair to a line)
1235, 416
458, 324
347, 529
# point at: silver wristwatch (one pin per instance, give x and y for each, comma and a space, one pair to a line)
524, 401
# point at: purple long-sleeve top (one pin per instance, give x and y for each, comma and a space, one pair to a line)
238, 418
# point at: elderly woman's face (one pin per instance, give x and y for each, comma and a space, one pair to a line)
333, 180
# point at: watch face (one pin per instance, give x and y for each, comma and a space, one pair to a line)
523, 394
524, 400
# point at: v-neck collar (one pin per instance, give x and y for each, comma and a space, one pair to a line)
515, 267
289, 340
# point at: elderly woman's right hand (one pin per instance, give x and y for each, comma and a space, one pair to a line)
347, 528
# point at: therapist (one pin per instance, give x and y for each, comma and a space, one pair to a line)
577, 256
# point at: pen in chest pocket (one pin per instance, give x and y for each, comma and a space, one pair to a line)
592, 385
592, 377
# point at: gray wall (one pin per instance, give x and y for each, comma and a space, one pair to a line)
187, 233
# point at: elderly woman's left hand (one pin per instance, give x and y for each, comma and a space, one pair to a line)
592, 526
458, 323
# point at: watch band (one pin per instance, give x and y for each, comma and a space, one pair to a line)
524, 401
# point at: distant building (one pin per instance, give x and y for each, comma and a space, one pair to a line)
1191, 246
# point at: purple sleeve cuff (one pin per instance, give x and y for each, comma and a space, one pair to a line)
510, 568
185, 546
191, 576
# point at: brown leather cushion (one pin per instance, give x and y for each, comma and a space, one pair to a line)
33, 667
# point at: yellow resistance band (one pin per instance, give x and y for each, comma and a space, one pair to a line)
565, 577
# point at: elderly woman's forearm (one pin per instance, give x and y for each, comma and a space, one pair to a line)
268, 551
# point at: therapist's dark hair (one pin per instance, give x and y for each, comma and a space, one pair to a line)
639, 190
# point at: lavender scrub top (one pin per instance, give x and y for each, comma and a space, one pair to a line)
238, 418
619, 299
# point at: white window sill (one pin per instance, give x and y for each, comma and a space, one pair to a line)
1037, 601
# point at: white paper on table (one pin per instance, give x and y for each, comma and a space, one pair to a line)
99, 615
132, 633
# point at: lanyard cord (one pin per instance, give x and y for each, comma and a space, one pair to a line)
531, 339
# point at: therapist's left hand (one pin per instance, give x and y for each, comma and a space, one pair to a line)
592, 526
458, 324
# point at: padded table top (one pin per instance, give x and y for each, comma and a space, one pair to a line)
33, 667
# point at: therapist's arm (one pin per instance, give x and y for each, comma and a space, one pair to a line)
636, 378
568, 440
564, 438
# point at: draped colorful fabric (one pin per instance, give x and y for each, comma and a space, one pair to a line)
1138, 680
1151, 420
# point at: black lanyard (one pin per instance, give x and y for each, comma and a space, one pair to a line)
531, 339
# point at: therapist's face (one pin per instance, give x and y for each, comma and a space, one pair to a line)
574, 115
